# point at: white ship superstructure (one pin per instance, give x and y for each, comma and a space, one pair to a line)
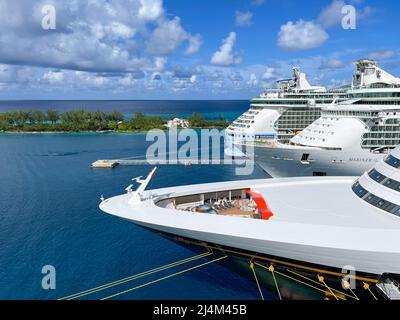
320, 221
278, 114
348, 137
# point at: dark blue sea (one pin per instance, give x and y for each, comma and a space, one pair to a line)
49, 215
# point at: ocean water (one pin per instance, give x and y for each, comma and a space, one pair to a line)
49, 215
210, 109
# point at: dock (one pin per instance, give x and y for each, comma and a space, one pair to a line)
112, 163
105, 164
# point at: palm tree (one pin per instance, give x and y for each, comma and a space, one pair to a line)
52, 116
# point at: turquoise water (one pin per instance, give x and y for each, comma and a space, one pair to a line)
49, 215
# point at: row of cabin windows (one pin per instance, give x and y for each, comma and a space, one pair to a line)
328, 97
375, 95
387, 127
299, 118
300, 121
392, 121
380, 143
281, 123
392, 161
243, 121
281, 101
291, 102
350, 113
375, 200
313, 96
244, 116
297, 127
376, 102
376, 85
384, 180
302, 112
381, 135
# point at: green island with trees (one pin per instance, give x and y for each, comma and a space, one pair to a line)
94, 121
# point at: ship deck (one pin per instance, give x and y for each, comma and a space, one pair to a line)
313, 200
326, 202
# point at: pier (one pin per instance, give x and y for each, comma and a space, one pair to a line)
105, 164
112, 163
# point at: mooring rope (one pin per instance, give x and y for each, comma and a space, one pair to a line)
316, 282
322, 280
163, 278
255, 277
366, 287
136, 276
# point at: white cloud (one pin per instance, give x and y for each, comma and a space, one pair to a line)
268, 74
54, 77
257, 3
12, 76
364, 12
156, 76
107, 49
94, 36
184, 82
332, 63
120, 30
195, 42
76, 80
243, 19
127, 81
332, 14
8, 73
301, 35
252, 82
150, 9
338, 83
166, 38
381, 54
158, 64
225, 56
235, 76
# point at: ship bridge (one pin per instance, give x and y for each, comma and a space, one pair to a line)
367, 73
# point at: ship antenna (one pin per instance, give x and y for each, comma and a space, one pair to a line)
137, 195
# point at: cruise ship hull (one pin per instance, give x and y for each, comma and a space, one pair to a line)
331, 258
349, 241
295, 280
292, 162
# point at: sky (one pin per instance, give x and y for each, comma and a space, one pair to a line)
187, 49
